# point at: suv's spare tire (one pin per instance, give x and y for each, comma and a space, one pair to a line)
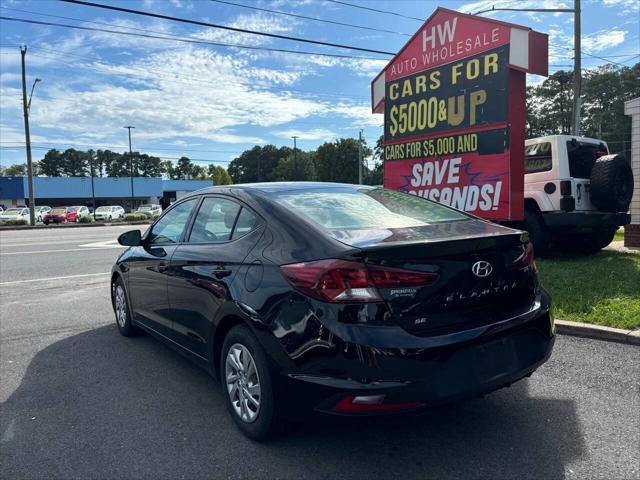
611, 183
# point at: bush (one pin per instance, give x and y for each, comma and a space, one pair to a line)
14, 222
87, 219
155, 217
135, 217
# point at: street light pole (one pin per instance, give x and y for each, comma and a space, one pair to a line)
27, 134
360, 157
577, 68
129, 127
295, 154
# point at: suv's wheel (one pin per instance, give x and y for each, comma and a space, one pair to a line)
247, 385
121, 309
611, 183
538, 233
586, 243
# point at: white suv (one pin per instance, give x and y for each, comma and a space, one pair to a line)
109, 212
576, 194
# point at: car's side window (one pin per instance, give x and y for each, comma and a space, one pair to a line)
214, 221
245, 223
170, 227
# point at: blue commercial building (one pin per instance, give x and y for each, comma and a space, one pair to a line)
59, 191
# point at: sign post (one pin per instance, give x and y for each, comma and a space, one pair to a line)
453, 100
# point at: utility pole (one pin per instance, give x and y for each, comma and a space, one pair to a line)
27, 134
295, 155
93, 187
577, 65
129, 127
360, 157
577, 68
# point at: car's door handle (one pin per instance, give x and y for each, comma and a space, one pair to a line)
163, 267
221, 272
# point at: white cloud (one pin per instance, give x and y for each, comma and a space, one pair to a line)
603, 40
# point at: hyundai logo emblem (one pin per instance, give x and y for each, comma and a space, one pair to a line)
482, 269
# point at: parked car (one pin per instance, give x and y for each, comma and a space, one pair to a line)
82, 212
576, 194
150, 211
331, 298
61, 215
17, 213
111, 212
40, 212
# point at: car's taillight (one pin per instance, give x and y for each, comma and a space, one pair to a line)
343, 281
527, 259
565, 187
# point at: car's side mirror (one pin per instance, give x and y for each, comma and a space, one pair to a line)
132, 238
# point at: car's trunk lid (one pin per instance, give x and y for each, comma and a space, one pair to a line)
477, 277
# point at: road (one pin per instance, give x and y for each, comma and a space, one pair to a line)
80, 401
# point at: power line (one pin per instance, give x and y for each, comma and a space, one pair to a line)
109, 69
145, 147
183, 40
142, 153
315, 19
375, 10
224, 27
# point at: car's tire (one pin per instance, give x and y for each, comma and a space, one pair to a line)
46, 223
258, 422
611, 183
586, 243
538, 233
121, 309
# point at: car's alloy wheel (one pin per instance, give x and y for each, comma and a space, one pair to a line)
247, 384
243, 383
121, 306
121, 309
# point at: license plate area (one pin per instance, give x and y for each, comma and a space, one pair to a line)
495, 359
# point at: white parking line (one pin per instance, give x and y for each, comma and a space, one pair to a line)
54, 278
56, 251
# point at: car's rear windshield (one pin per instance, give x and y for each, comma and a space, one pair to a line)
344, 209
59, 211
103, 209
13, 211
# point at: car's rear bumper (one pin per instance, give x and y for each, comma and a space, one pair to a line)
585, 221
418, 378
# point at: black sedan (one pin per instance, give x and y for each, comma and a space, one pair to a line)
332, 298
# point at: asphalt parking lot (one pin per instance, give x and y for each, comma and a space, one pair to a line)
80, 401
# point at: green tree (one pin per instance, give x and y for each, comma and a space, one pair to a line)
113, 163
298, 167
16, 170
75, 163
338, 161
219, 175
170, 170
51, 164
257, 164
198, 172
148, 165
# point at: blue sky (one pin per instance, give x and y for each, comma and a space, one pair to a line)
210, 103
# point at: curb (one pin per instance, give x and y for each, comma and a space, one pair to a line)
71, 225
585, 330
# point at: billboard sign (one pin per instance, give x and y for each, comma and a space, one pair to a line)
454, 112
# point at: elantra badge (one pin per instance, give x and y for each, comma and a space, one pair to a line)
482, 269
